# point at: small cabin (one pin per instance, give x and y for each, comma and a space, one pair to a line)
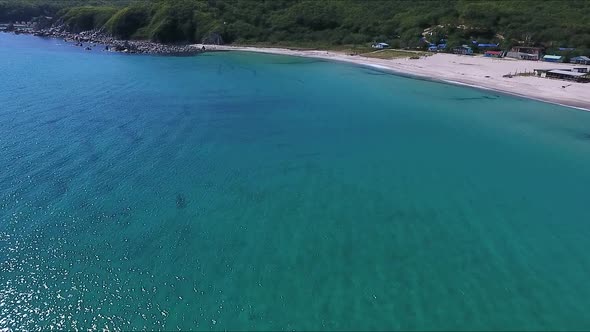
380, 45
552, 58
464, 50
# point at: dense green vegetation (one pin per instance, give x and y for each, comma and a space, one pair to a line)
551, 24
87, 18
22, 10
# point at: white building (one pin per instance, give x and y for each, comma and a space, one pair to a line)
380, 45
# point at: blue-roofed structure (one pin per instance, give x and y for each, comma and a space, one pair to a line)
487, 45
580, 60
435, 47
552, 58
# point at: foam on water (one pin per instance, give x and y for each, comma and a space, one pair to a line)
246, 191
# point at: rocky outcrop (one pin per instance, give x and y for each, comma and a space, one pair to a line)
109, 43
213, 38
44, 26
41, 23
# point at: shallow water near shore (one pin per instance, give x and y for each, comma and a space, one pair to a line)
247, 191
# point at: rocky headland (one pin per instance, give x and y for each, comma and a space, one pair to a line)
98, 38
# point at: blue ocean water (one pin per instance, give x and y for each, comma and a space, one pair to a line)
246, 191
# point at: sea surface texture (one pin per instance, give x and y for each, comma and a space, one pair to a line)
244, 191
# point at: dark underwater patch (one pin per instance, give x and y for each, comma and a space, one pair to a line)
296, 62
375, 72
181, 201
53, 121
60, 186
131, 134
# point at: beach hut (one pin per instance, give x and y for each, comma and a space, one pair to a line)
580, 60
552, 58
464, 50
432, 48
493, 54
380, 45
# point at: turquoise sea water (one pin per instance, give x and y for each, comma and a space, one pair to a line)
243, 191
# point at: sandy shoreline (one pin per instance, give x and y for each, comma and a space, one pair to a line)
474, 71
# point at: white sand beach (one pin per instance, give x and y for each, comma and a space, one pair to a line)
477, 71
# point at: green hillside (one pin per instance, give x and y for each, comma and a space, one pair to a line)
551, 24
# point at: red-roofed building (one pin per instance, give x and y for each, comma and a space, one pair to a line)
493, 54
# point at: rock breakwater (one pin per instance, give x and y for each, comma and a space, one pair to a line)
98, 38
